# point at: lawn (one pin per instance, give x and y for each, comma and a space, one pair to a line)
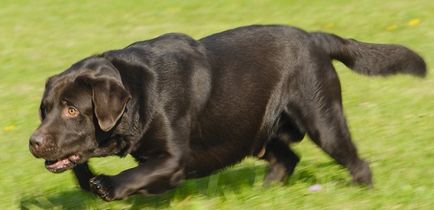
391, 119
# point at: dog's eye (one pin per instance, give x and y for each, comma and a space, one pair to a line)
71, 111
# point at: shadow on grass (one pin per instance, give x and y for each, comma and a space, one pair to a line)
233, 179
73, 199
230, 180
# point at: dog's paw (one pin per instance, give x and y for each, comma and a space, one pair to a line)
103, 186
362, 174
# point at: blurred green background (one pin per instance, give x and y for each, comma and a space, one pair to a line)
391, 119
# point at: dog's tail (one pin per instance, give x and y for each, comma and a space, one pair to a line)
371, 59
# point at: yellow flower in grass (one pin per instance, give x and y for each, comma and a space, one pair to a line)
414, 22
9, 128
328, 26
391, 27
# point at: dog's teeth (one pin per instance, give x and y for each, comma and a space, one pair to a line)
74, 158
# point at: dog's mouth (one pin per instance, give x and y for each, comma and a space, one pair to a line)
61, 165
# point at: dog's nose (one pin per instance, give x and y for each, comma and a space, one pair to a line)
37, 140
40, 144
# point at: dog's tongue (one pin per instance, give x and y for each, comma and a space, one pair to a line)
58, 163
62, 163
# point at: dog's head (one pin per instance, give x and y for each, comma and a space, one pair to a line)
77, 105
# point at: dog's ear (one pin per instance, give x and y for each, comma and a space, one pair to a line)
109, 96
110, 99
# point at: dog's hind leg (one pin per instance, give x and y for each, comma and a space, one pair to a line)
282, 160
83, 174
326, 125
330, 132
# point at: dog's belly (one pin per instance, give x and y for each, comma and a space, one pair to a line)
205, 160
227, 132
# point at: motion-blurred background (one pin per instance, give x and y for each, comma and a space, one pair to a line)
391, 119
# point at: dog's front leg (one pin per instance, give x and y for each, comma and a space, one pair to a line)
154, 176
83, 175
162, 169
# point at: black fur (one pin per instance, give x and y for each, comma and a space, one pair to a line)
371, 59
184, 108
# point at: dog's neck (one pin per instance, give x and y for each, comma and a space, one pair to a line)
125, 136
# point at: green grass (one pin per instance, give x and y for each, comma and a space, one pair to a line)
391, 119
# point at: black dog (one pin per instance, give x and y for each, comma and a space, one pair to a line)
185, 108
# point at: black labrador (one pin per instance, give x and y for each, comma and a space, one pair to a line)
184, 108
